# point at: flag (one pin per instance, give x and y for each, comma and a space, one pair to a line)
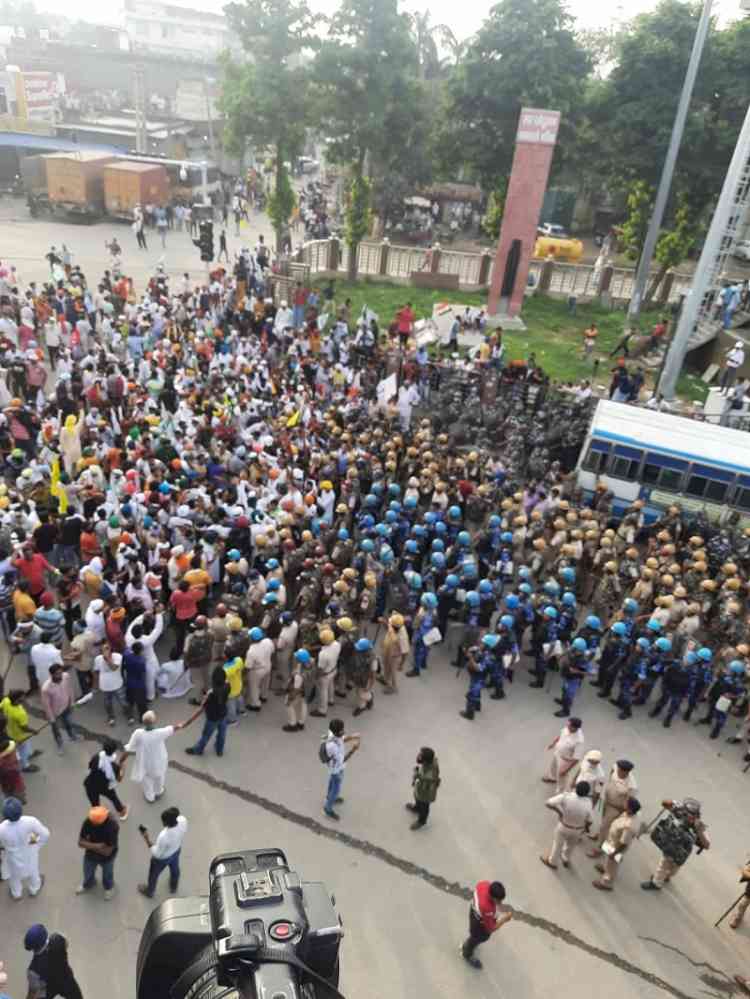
56, 489
293, 419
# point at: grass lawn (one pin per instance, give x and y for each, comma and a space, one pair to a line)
552, 333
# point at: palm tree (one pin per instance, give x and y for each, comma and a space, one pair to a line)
428, 40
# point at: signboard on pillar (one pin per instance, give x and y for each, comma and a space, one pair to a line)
535, 145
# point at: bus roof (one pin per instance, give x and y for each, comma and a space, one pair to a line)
675, 435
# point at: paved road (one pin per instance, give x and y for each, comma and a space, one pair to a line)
403, 894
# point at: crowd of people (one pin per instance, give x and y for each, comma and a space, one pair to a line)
210, 501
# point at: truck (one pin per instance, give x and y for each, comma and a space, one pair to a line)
129, 184
75, 183
34, 180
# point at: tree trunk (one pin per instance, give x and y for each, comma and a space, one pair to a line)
279, 228
351, 269
654, 286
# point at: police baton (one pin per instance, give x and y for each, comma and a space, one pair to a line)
10, 663
76, 704
647, 828
732, 906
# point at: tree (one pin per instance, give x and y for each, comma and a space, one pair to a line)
633, 230
357, 219
525, 54
282, 201
370, 100
267, 99
674, 244
428, 41
493, 217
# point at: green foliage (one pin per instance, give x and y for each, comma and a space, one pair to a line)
633, 230
357, 218
282, 201
525, 54
493, 217
674, 244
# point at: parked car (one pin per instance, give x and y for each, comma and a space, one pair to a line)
552, 229
742, 249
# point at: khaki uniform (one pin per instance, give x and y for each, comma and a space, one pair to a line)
328, 658
296, 705
667, 868
616, 792
393, 655
621, 834
576, 815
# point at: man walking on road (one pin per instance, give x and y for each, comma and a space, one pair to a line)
98, 839
148, 745
336, 757
483, 918
21, 837
49, 974
57, 701
165, 852
574, 812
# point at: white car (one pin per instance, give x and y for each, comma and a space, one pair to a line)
553, 230
742, 249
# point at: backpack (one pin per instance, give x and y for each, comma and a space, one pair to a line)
323, 751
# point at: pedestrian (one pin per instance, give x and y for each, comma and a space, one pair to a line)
148, 745
13, 709
325, 675
258, 668
223, 245
335, 754
684, 828
57, 701
733, 361
394, 651
567, 750
295, 700
49, 973
11, 776
108, 679
165, 851
425, 783
134, 668
21, 838
484, 919
98, 838
573, 809
103, 776
619, 787
736, 921
214, 707
621, 834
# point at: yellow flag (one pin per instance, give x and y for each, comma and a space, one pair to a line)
293, 420
56, 488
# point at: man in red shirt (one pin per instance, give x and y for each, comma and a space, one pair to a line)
184, 603
32, 566
483, 918
404, 323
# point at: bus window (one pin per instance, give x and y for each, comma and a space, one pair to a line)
624, 468
710, 489
742, 499
664, 478
595, 461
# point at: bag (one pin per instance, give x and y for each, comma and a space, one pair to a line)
323, 756
432, 637
723, 704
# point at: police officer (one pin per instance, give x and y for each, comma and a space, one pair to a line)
545, 642
635, 668
687, 815
675, 686
477, 664
613, 657
730, 687
575, 668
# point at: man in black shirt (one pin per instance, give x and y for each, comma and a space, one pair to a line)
45, 535
49, 973
69, 539
98, 839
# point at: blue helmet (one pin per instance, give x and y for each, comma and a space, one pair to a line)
371, 500
418, 531
415, 581
343, 534
148, 521
438, 545
526, 588
234, 554
592, 621
579, 644
550, 612
272, 563
273, 585
440, 527
569, 599
507, 621
568, 575
654, 625
302, 656
368, 521
395, 506
524, 572
256, 634
643, 644
429, 600
430, 518
552, 587
737, 667
464, 539
412, 546
619, 629
704, 654
410, 502
490, 641
690, 659
391, 516
506, 537
485, 586
367, 545
363, 645
452, 581
472, 598
386, 554
454, 512
377, 488
663, 645
630, 606
494, 521
269, 599
382, 529
512, 601
437, 560
394, 489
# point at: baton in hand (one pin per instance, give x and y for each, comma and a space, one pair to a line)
646, 828
732, 906
76, 704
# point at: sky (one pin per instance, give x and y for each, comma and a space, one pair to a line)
463, 18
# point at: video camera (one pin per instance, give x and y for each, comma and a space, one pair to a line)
261, 932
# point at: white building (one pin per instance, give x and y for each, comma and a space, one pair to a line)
174, 29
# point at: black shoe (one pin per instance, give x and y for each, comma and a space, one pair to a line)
562, 713
357, 712
667, 723
714, 734
595, 683
411, 806
686, 716
370, 703
332, 815
340, 693
650, 886
467, 714
559, 700
412, 672
192, 751
250, 707
733, 740
615, 701
498, 695
317, 714
704, 721
537, 684
653, 713
625, 714
288, 728
301, 727
143, 889
473, 961
746, 758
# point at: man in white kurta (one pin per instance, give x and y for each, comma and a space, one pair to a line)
148, 641
21, 838
149, 746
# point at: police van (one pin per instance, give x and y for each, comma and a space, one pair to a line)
664, 459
